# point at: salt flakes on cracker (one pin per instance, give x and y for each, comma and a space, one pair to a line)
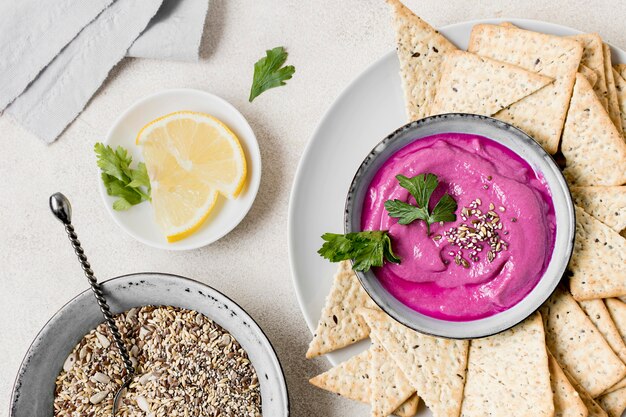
541, 114
594, 150
515, 363
578, 346
420, 52
473, 84
607, 204
597, 263
339, 326
434, 366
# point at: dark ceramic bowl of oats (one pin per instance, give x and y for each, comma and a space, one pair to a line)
195, 352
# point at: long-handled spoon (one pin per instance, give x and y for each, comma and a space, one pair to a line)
61, 208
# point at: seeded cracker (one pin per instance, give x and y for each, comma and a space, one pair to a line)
621, 69
620, 90
607, 204
593, 58
610, 86
389, 386
594, 149
617, 310
473, 84
541, 114
567, 401
597, 263
515, 364
420, 51
589, 74
578, 346
601, 318
339, 326
434, 366
593, 407
614, 403
353, 379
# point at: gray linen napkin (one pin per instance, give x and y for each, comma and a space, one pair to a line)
62, 90
174, 33
26, 45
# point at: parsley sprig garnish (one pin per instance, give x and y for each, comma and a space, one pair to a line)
268, 72
132, 186
421, 187
366, 249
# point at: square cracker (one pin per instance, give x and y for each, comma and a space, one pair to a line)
567, 401
420, 51
578, 346
353, 379
614, 402
517, 360
597, 263
607, 204
389, 386
601, 318
473, 84
613, 105
594, 150
541, 114
620, 91
593, 407
434, 366
593, 58
339, 325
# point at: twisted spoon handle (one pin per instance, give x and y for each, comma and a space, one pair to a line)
60, 206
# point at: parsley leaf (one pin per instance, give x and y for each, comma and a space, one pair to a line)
421, 187
132, 186
268, 72
366, 249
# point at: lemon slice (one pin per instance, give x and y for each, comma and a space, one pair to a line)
191, 158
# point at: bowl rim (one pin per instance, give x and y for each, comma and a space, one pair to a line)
528, 142
110, 281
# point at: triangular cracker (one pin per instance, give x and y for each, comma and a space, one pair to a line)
607, 204
339, 325
578, 346
353, 379
614, 403
597, 263
613, 105
601, 318
589, 74
389, 386
541, 114
517, 360
435, 366
473, 84
409, 407
420, 52
567, 401
349, 379
594, 150
593, 58
620, 91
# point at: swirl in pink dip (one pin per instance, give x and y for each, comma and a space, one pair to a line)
469, 167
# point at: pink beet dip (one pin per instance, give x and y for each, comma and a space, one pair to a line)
436, 276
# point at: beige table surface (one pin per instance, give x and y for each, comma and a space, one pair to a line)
330, 43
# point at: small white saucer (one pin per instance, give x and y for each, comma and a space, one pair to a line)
139, 221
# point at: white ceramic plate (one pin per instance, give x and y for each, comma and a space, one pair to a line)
370, 108
138, 221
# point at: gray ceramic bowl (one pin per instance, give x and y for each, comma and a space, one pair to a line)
524, 146
33, 392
